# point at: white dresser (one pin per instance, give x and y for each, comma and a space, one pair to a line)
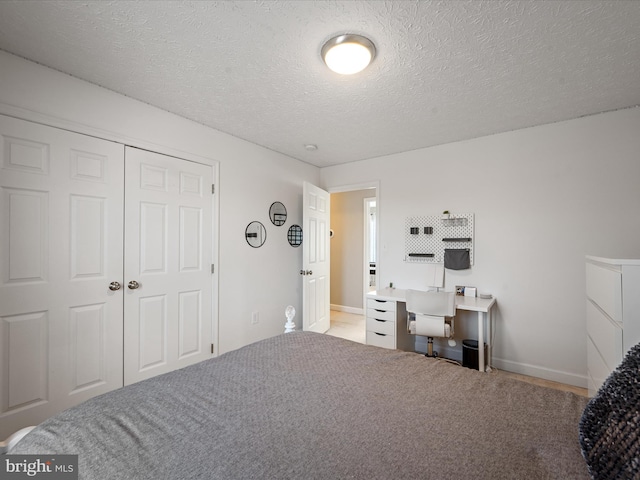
613, 315
387, 322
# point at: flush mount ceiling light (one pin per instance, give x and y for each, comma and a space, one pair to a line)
348, 54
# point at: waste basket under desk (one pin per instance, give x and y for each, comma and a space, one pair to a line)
392, 304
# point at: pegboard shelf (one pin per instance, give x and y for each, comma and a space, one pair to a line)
455, 221
427, 237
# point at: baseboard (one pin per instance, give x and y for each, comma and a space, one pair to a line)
508, 365
541, 372
345, 309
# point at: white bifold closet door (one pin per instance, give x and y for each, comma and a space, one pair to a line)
168, 217
101, 285
61, 230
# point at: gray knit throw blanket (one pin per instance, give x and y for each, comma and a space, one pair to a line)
610, 424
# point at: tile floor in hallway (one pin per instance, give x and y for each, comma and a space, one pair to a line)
347, 325
352, 327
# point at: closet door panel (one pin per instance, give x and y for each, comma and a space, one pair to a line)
168, 245
88, 332
61, 211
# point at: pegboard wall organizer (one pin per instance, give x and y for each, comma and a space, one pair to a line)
426, 237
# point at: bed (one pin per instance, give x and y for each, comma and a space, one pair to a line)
311, 406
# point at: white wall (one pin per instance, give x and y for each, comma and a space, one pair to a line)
265, 280
543, 198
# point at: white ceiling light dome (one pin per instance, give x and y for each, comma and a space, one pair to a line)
348, 54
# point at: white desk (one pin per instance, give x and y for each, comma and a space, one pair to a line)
475, 304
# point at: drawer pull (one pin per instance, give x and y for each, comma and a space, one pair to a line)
379, 320
381, 334
380, 301
379, 310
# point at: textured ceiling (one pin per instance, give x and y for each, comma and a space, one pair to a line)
445, 70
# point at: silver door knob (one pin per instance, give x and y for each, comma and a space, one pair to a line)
306, 272
309, 272
133, 285
114, 286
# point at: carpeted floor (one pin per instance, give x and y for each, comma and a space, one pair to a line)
311, 406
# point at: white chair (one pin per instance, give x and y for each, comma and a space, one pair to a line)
433, 313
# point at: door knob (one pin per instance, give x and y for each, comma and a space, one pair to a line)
133, 285
114, 286
309, 272
306, 272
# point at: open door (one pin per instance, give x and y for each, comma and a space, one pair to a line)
315, 259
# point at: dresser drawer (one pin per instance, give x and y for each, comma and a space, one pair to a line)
606, 336
381, 340
604, 287
386, 305
597, 370
381, 315
387, 327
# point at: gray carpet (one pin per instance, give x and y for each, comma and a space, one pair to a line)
310, 406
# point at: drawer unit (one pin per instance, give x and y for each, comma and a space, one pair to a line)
387, 322
613, 315
381, 323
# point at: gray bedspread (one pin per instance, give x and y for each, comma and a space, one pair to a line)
311, 406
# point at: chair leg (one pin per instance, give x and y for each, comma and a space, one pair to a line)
430, 352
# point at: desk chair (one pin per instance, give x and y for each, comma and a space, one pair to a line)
433, 312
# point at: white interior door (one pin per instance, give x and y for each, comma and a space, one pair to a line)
61, 221
168, 245
316, 259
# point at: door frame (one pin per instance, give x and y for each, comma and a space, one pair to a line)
365, 186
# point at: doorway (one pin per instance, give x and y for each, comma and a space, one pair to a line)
353, 253
370, 246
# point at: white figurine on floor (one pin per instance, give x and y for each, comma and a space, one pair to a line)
289, 312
